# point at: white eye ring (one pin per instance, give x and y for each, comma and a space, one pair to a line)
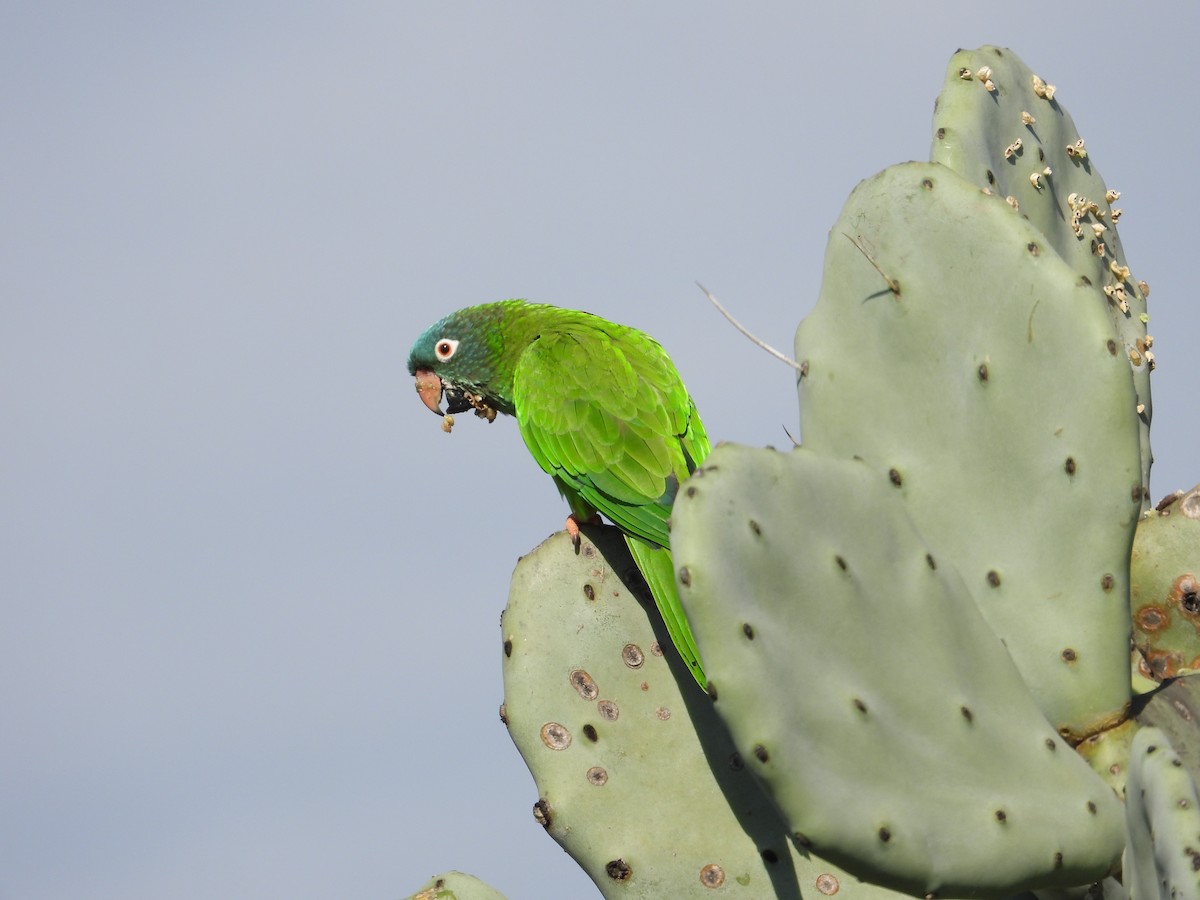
445, 348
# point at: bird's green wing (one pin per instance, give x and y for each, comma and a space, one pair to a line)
604, 411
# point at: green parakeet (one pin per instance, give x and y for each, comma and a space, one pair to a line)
599, 405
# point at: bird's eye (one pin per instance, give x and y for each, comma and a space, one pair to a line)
445, 348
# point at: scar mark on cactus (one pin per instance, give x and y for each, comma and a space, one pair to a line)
1051, 744
712, 876
1069, 466
1091, 807
993, 578
556, 736
982, 372
589, 592
609, 711
618, 870
1069, 655
1001, 816
1185, 593
1150, 619
1106, 582
632, 656
1033, 248
542, 814
508, 647
748, 630
1112, 347
685, 576
827, 884
894, 477
761, 754
756, 528
596, 775
584, 685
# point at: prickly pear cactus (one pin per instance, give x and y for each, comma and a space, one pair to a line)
1165, 587
1000, 126
904, 618
956, 353
1162, 860
637, 778
864, 688
456, 886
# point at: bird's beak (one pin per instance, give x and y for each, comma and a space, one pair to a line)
429, 388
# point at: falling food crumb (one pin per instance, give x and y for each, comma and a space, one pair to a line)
447, 423
481, 408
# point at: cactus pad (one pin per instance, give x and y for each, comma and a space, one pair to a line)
1165, 587
1001, 127
1162, 861
864, 687
456, 886
638, 779
951, 349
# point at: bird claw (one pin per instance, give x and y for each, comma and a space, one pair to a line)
573, 524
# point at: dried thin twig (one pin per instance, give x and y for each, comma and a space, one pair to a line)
740, 327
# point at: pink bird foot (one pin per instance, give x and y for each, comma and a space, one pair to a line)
573, 524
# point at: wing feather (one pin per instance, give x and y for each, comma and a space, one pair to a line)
602, 408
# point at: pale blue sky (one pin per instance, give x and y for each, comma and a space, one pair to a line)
249, 589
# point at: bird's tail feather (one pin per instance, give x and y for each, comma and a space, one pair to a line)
659, 571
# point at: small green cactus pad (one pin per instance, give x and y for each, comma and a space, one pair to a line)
638, 779
952, 351
1162, 810
1174, 708
864, 687
1165, 587
456, 886
1000, 126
